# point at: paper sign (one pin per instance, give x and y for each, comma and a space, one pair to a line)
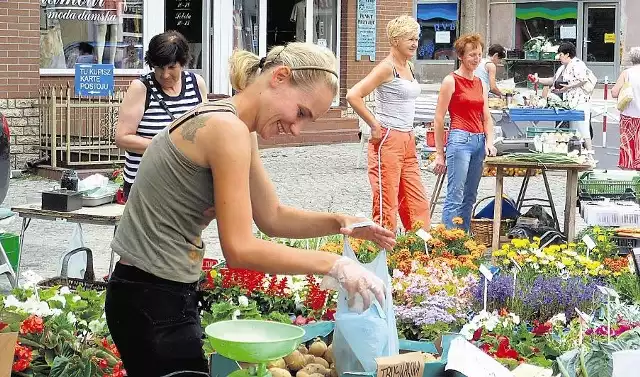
528, 370
583, 316
424, 235
404, 365
568, 32
608, 291
589, 242
469, 360
609, 38
7, 349
443, 36
485, 271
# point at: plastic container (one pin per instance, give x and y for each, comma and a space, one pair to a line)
431, 137
11, 244
89, 201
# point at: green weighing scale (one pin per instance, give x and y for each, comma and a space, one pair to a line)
254, 342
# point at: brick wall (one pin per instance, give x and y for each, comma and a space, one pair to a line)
20, 76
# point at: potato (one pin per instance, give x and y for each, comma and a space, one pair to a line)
309, 359
328, 355
295, 361
316, 375
303, 349
277, 364
333, 372
302, 373
321, 361
318, 347
279, 372
316, 368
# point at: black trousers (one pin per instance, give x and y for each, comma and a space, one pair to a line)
126, 189
155, 324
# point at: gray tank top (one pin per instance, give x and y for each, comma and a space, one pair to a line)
396, 102
161, 227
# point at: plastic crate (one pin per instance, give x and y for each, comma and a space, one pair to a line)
626, 244
548, 55
609, 184
11, 245
532, 55
534, 131
431, 138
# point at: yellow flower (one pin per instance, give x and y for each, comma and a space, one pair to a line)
506, 261
596, 229
511, 254
601, 238
457, 220
563, 246
567, 261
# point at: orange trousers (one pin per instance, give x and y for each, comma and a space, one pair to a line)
402, 189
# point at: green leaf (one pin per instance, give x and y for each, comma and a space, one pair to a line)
59, 367
49, 357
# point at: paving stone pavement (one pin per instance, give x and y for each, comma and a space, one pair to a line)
321, 178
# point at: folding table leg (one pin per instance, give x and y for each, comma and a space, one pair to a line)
551, 204
436, 193
25, 225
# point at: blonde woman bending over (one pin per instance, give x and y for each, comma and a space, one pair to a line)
206, 165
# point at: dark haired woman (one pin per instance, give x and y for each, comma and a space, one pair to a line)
155, 99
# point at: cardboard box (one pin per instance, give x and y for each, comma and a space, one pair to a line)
8, 343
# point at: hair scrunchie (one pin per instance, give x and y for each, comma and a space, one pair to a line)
262, 61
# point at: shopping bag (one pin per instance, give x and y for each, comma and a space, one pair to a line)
359, 338
78, 262
625, 96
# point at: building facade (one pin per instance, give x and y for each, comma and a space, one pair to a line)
42, 40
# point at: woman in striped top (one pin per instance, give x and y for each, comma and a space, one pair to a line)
155, 99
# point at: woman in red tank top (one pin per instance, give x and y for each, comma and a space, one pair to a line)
463, 95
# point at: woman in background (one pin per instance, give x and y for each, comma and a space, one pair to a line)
470, 135
630, 116
394, 173
154, 100
488, 68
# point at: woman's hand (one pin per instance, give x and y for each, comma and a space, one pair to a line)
376, 134
564, 89
440, 164
365, 229
357, 281
490, 150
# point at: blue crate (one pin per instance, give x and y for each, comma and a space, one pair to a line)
324, 330
539, 115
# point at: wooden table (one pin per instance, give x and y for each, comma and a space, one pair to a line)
106, 215
572, 171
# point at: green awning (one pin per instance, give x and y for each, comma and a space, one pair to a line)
548, 10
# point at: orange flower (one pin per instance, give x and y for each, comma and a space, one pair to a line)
457, 220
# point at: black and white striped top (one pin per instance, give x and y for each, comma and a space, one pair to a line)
155, 118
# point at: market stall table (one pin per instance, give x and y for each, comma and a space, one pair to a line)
106, 215
571, 170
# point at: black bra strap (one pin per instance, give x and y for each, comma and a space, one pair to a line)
229, 109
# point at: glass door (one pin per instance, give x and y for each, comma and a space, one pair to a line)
600, 42
189, 18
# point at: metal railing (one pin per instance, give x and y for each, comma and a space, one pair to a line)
79, 131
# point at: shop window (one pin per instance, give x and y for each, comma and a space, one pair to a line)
245, 25
555, 21
438, 23
108, 31
326, 23
185, 17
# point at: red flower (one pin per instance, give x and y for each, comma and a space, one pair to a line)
477, 334
540, 329
32, 325
22, 358
316, 297
486, 348
110, 347
247, 280
505, 351
3, 326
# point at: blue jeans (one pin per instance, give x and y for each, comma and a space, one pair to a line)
465, 157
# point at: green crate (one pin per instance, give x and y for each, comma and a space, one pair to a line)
11, 245
605, 183
548, 55
534, 131
532, 55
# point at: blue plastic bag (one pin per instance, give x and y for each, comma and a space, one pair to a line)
359, 338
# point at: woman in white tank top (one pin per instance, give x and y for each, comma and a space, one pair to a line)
630, 116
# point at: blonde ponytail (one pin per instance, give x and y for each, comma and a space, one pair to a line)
243, 67
310, 64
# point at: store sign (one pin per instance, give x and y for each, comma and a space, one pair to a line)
83, 10
94, 80
185, 17
366, 30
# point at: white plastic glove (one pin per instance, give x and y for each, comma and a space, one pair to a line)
361, 285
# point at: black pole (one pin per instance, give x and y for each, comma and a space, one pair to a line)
458, 27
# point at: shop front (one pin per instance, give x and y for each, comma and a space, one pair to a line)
438, 21
532, 30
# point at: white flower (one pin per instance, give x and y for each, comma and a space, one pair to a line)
243, 301
30, 279
60, 299
76, 298
96, 326
11, 301
65, 290
558, 318
236, 314
71, 318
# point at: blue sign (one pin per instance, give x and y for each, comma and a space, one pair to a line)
94, 80
366, 30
